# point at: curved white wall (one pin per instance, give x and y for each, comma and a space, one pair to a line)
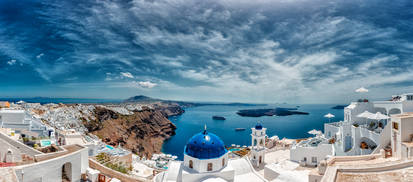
201, 165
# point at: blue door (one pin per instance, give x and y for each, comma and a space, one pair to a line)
348, 143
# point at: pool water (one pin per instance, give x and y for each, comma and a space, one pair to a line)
234, 149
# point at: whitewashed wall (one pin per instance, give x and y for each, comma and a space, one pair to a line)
201, 165
298, 153
51, 170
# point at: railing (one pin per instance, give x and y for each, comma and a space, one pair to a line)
331, 172
387, 102
336, 124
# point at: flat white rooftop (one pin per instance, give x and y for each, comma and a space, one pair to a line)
11, 111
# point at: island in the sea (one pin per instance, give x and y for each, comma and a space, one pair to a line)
270, 112
339, 107
218, 118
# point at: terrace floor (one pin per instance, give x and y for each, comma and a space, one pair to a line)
399, 175
289, 171
69, 149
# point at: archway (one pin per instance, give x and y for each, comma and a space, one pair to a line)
394, 111
209, 167
367, 143
9, 156
191, 164
67, 172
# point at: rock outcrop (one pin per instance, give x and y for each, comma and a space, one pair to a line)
143, 132
170, 109
270, 112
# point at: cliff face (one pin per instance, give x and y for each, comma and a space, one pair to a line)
170, 109
142, 132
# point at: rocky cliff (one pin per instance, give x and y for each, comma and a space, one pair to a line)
143, 132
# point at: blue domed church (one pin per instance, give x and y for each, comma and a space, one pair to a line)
206, 160
205, 152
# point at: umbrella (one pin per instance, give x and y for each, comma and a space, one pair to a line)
378, 116
365, 114
314, 132
329, 116
362, 90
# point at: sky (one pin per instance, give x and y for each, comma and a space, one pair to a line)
261, 51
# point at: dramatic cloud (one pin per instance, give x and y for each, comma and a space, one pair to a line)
226, 50
11, 62
147, 84
127, 74
40, 56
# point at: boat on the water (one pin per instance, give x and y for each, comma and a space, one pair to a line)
239, 129
218, 118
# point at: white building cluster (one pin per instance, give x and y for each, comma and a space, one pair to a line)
365, 130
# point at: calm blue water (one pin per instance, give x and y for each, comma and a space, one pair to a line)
295, 126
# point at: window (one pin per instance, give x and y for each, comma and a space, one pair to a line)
191, 164
410, 97
209, 167
305, 159
314, 159
223, 162
395, 126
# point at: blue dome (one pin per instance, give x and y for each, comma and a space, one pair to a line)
205, 145
258, 126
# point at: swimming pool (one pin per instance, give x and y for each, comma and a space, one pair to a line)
234, 149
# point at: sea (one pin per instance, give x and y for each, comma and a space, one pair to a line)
195, 119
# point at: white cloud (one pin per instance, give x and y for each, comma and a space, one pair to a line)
127, 74
147, 84
11, 62
259, 51
40, 56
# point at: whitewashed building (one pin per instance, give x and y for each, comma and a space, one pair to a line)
20, 120
402, 136
12, 118
310, 152
361, 136
31, 165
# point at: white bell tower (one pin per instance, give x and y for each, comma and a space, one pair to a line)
258, 137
